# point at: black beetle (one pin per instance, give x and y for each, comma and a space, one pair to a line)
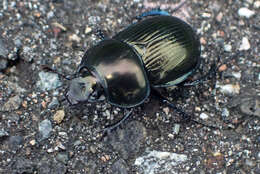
158, 51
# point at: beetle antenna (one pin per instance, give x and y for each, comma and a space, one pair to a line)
48, 69
179, 6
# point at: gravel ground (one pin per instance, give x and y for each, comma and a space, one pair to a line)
41, 133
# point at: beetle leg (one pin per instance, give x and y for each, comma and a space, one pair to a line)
155, 12
117, 124
211, 73
186, 117
159, 12
100, 34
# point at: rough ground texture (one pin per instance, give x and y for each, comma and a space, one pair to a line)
41, 133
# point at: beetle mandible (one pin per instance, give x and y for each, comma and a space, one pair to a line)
157, 51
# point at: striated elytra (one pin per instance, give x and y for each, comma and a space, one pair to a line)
157, 51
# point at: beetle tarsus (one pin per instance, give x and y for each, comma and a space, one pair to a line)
100, 34
112, 127
159, 12
185, 117
154, 12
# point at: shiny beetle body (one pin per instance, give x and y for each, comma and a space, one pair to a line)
158, 51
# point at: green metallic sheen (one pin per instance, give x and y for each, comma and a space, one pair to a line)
168, 47
120, 71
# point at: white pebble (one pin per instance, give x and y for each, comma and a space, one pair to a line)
229, 88
245, 45
237, 75
257, 4
245, 12
204, 116
228, 48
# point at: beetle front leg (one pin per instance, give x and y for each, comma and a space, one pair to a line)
117, 124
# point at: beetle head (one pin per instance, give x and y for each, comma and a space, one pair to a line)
81, 89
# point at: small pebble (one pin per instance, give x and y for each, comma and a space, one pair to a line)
48, 81
258, 155
219, 17
45, 129
204, 116
258, 139
3, 133
237, 75
58, 25
229, 88
50, 150
50, 14
227, 48
33, 142
74, 37
203, 41
225, 113
206, 15
62, 157
222, 68
3, 49
245, 45
176, 129
105, 158
54, 103
166, 110
12, 104
250, 163
16, 142
245, 12
3, 64
153, 162
61, 146
59, 116
87, 30
257, 4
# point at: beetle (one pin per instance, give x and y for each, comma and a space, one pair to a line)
157, 51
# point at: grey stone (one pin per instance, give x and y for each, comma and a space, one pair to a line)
15, 142
12, 104
54, 103
128, 140
23, 165
3, 133
3, 64
3, 49
159, 162
62, 157
119, 167
245, 12
45, 129
48, 81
